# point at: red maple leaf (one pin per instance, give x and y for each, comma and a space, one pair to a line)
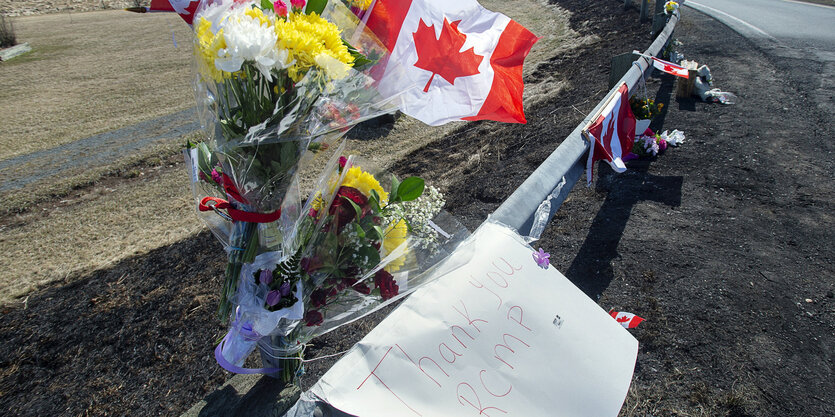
442, 56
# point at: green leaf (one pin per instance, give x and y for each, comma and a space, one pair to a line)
359, 59
315, 6
374, 201
359, 230
395, 186
357, 208
410, 189
379, 231
370, 254
266, 5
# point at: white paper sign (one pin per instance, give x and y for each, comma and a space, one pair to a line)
498, 337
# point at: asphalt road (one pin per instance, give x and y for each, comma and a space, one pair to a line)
799, 37
807, 26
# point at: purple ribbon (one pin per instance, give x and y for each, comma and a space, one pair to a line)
248, 334
237, 369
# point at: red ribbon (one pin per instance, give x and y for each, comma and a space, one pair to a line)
238, 215
231, 190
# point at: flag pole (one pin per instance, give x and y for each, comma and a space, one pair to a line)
600, 110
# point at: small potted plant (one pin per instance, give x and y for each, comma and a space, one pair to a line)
644, 110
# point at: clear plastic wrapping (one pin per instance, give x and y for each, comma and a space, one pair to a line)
358, 246
273, 86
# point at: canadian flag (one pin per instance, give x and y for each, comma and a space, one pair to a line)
454, 59
670, 68
627, 320
613, 133
185, 8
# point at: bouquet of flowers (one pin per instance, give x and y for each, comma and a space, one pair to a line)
670, 7
362, 247
645, 108
273, 83
651, 144
648, 144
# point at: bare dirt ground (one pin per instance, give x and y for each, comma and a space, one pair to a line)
724, 245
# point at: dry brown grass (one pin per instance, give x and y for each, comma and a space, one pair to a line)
105, 225
89, 73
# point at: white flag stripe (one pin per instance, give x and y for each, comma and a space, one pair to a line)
444, 102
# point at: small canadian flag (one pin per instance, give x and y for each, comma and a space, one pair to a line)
670, 68
627, 320
454, 59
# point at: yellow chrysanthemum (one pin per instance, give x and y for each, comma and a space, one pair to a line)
361, 4
307, 36
207, 45
258, 14
364, 182
318, 202
395, 235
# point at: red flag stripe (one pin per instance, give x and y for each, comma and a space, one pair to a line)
160, 6
504, 102
670, 68
386, 19
623, 122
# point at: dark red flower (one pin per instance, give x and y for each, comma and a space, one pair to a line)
319, 297
313, 318
385, 282
361, 288
342, 210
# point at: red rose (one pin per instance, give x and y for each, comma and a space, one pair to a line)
342, 210
313, 318
385, 282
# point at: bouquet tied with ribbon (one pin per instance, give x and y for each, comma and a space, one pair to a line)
362, 245
274, 86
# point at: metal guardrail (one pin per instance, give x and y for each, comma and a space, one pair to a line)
568, 160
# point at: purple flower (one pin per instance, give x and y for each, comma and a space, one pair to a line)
216, 177
541, 258
266, 276
284, 289
273, 297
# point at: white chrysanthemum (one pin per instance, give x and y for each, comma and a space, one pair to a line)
215, 13
247, 39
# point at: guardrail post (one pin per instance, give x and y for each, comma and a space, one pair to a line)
644, 10
659, 19
620, 65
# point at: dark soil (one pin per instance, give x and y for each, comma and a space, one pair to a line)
724, 245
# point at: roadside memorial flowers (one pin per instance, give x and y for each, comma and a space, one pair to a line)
278, 82
362, 246
644, 109
273, 84
651, 144
276, 85
648, 144
670, 7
